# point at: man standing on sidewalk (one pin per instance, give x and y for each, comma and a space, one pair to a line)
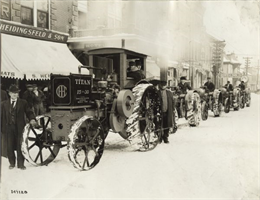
13, 120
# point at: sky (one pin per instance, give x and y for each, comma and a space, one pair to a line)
236, 22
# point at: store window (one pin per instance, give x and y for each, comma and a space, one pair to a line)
35, 13
27, 15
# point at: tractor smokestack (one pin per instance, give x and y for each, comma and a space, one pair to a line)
123, 43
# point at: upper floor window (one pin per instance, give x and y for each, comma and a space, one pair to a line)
35, 13
114, 15
26, 15
82, 14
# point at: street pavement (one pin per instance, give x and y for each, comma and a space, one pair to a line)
217, 160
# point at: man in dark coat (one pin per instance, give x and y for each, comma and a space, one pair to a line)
168, 106
13, 120
242, 85
183, 86
3, 95
210, 87
229, 86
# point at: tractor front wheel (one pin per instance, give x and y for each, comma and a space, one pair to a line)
38, 148
86, 143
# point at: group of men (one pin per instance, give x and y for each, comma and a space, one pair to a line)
34, 98
230, 87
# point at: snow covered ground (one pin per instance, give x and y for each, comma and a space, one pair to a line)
217, 160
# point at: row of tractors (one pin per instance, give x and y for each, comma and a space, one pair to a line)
85, 108
217, 101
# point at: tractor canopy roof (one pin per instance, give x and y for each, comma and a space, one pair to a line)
113, 50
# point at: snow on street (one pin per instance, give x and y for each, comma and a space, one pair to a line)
218, 159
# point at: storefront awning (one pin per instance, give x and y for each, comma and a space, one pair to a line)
36, 59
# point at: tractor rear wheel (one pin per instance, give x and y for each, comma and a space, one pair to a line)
38, 148
192, 100
145, 122
248, 101
86, 143
242, 101
227, 105
182, 109
204, 111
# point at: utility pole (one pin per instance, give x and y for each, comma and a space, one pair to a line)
217, 60
247, 63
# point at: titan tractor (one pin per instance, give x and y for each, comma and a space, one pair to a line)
85, 108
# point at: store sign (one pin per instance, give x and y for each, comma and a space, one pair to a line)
34, 76
93, 45
31, 32
5, 9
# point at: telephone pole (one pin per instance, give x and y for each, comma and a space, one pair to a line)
247, 63
217, 60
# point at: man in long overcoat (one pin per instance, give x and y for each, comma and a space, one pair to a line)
13, 119
168, 106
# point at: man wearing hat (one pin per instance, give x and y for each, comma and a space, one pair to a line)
229, 86
28, 95
167, 110
39, 97
13, 120
242, 85
134, 71
209, 85
183, 86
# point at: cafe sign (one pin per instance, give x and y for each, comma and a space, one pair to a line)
31, 32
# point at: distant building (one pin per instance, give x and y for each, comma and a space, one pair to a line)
231, 69
169, 32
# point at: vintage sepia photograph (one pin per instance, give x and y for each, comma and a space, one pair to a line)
130, 99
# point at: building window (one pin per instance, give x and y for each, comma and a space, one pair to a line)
27, 15
35, 13
82, 14
114, 15
42, 19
